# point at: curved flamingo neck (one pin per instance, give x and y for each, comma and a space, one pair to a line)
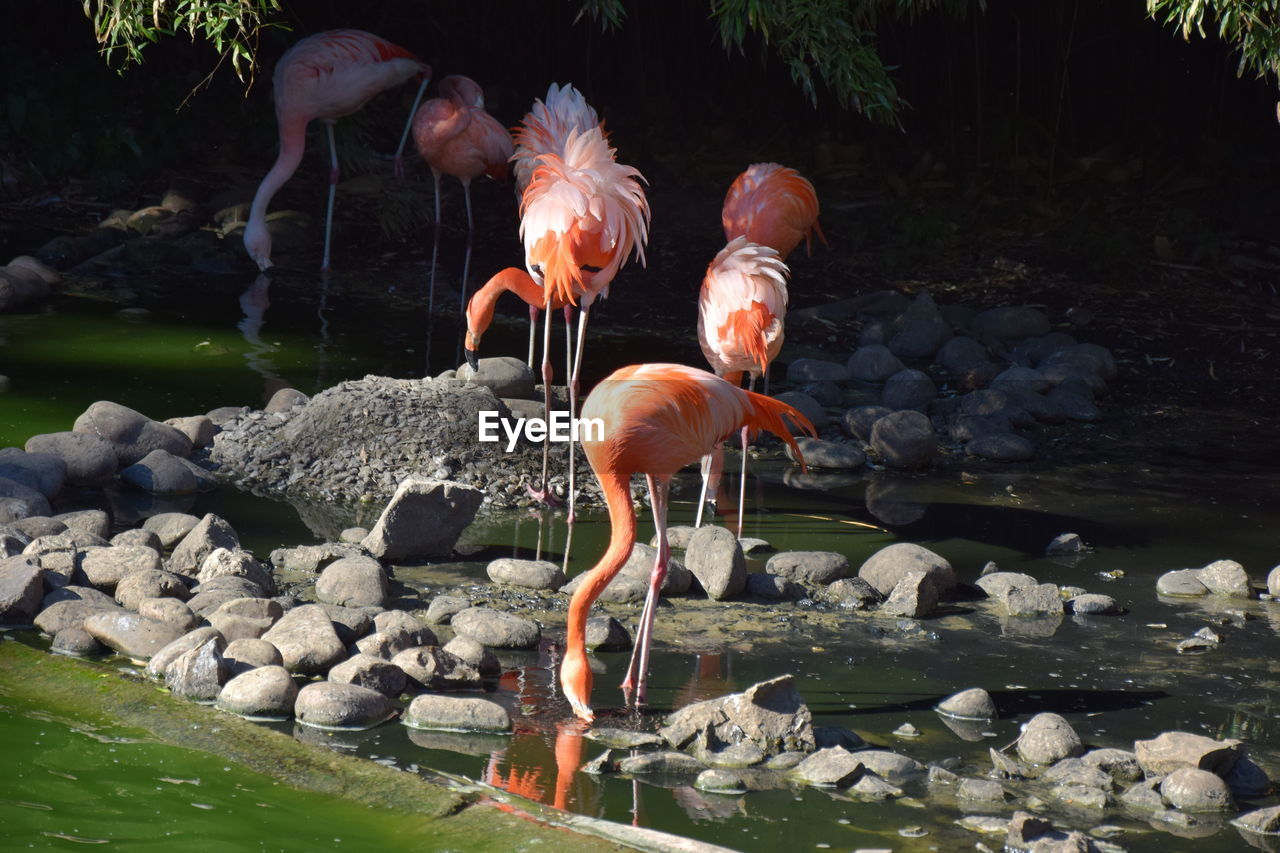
293, 142
512, 279
622, 537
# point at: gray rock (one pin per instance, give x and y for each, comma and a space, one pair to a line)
738, 755
443, 608
1246, 779
43, 472
75, 641
534, 574
12, 541
198, 673
265, 691
922, 330
1020, 380
607, 634
210, 596
873, 363
830, 455
130, 634
716, 560
887, 566
21, 590
351, 623
92, 523
1047, 738
284, 400
833, 767
1074, 406
496, 629
1143, 796
89, 460
770, 715
149, 583
161, 473
1074, 771
961, 355
904, 439
160, 661
171, 527
1040, 600
1259, 821
665, 763
716, 781
678, 536
1001, 447
131, 434
1195, 790
996, 584
1010, 322
198, 429
307, 640
423, 519
207, 536
965, 428
812, 567
891, 766
773, 587
405, 626
246, 618
859, 421
980, 791
1094, 604
353, 535
505, 375
61, 615
1273, 582
477, 655
909, 389
1006, 767
1181, 582
914, 596
371, 672
22, 500
354, 582
1040, 407
106, 567
1065, 543
639, 566
971, 704
1120, 764
804, 370
453, 713
313, 558
854, 593
137, 537
37, 526
1173, 750
249, 653
432, 668
805, 405
225, 562
1226, 577
327, 705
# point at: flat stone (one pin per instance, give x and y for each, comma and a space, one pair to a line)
1181, 582
106, 567
130, 634
264, 691
1094, 604
137, 586
327, 705
453, 713
496, 629
533, 574
717, 781
665, 763
812, 567
1173, 750
833, 767
307, 640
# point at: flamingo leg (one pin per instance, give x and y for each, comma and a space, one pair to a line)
533, 332
742, 483
466, 261
398, 168
638, 669
543, 492
333, 192
702, 495
573, 404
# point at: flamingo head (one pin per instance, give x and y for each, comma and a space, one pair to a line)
575, 681
257, 242
472, 350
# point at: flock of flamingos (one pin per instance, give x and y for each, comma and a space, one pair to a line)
582, 215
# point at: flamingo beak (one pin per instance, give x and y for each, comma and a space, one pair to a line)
581, 709
473, 360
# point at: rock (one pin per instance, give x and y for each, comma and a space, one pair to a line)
1025, 828
284, 400
607, 634
804, 370
371, 672
505, 375
130, 634
715, 781
1065, 544
971, 704
716, 560
37, 526
137, 537
909, 389
423, 519
1040, 600
207, 536
1047, 738
198, 429
1246, 779
149, 583
1075, 772
131, 434
1181, 582
12, 541
170, 527
1120, 764
496, 629
1173, 750
198, 673
43, 472
770, 714
831, 455
854, 593
475, 654
1010, 322
922, 330
354, 582
1226, 577
351, 623
186, 642
887, 566
805, 405
873, 363
1260, 821
21, 590
859, 421
812, 567
161, 473
249, 653
265, 691
913, 597
739, 755
1007, 767
313, 558
773, 587
665, 762
1001, 447
962, 355
833, 767
75, 641
433, 668
996, 584
327, 705
1143, 796
307, 640
211, 595
106, 567
404, 627
453, 713
904, 439
225, 562
639, 567
60, 615
1194, 790
534, 574
444, 607
677, 537
22, 500
1273, 582
980, 791
1094, 604
889, 765
246, 618
89, 460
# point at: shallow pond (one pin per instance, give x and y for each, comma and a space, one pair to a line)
1116, 678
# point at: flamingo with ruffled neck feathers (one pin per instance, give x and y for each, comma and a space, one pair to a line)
325, 76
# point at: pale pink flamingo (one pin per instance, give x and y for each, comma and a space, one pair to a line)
325, 76
546, 127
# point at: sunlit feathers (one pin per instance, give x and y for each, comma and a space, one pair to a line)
741, 308
546, 128
772, 205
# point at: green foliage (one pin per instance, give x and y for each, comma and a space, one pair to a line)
125, 27
607, 13
1252, 25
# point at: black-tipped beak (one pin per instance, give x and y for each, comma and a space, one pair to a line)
473, 360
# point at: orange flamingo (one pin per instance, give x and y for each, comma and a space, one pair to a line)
774, 206
482, 303
546, 127
325, 76
740, 313
581, 216
656, 419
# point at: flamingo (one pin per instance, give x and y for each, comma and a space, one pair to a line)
656, 419
582, 214
740, 314
774, 206
326, 76
545, 129
480, 310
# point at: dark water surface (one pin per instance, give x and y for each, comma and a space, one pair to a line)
200, 345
